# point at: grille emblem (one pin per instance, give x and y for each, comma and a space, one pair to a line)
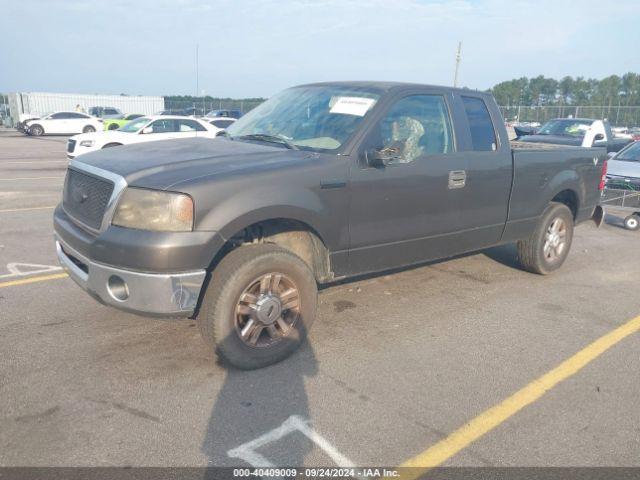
79, 194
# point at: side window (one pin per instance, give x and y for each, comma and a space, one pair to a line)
163, 126
110, 111
76, 115
414, 126
190, 126
483, 135
60, 116
221, 123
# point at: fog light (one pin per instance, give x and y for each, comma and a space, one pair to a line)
118, 289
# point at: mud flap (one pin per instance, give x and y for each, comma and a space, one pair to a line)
598, 216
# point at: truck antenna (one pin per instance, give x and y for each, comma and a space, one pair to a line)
458, 57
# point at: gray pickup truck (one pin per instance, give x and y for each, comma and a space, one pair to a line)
319, 183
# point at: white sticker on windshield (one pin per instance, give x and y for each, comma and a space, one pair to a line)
352, 105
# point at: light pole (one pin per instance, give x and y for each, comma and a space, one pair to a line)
458, 58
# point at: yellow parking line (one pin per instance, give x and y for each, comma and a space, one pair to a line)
24, 281
32, 178
491, 418
25, 209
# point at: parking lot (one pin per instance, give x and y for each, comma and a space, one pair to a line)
395, 365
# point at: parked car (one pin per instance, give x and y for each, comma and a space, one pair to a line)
105, 112
319, 183
622, 191
221, 122
571, 131
624, 167
224, 113
24, 118
143, 129
62, 123
115, 123
173, 111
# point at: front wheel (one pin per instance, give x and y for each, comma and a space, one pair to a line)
36, 130
548, 247
632, 222
258, 306
88, 129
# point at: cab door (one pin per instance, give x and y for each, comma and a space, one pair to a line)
489, 171
161, 129
188, 128
407, 210
57, 123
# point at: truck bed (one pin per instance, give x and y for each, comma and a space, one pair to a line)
517, 145
539, 167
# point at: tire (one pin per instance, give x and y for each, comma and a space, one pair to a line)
632, 222
113, 144
36, 130
113, 126
231, 307
88, 129
546, 249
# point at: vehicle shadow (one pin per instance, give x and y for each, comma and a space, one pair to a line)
504, 254
253, 421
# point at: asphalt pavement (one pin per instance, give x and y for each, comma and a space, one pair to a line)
394, 365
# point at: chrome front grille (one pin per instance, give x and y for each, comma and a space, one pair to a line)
86, 197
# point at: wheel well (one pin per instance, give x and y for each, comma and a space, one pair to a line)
569, 198
291, 235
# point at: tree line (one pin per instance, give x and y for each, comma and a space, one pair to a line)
612, 91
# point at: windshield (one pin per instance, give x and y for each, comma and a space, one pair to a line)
135, 125
317, 118
629, 154
568, 127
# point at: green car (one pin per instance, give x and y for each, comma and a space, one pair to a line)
115, 123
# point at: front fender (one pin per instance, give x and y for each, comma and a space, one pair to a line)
254, 205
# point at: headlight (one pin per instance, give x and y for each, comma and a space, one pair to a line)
86, 143
154, 210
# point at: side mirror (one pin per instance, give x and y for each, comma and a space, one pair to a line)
221, 133
382, 158
147, 130
598, 137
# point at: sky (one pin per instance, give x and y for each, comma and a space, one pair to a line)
256, 48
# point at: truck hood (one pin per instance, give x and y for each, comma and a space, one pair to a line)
170, 163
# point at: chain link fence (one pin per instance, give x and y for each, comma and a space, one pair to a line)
617, 115
205, 105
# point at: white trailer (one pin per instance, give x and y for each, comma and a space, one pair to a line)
34, 104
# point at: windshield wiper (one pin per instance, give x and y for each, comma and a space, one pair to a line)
265, 137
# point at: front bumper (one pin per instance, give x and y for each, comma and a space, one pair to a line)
162, 294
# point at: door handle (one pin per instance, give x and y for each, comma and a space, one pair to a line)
332, 183
457, 179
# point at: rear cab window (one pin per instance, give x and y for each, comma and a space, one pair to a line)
483, 134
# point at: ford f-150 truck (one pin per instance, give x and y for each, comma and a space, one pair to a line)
319, 183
